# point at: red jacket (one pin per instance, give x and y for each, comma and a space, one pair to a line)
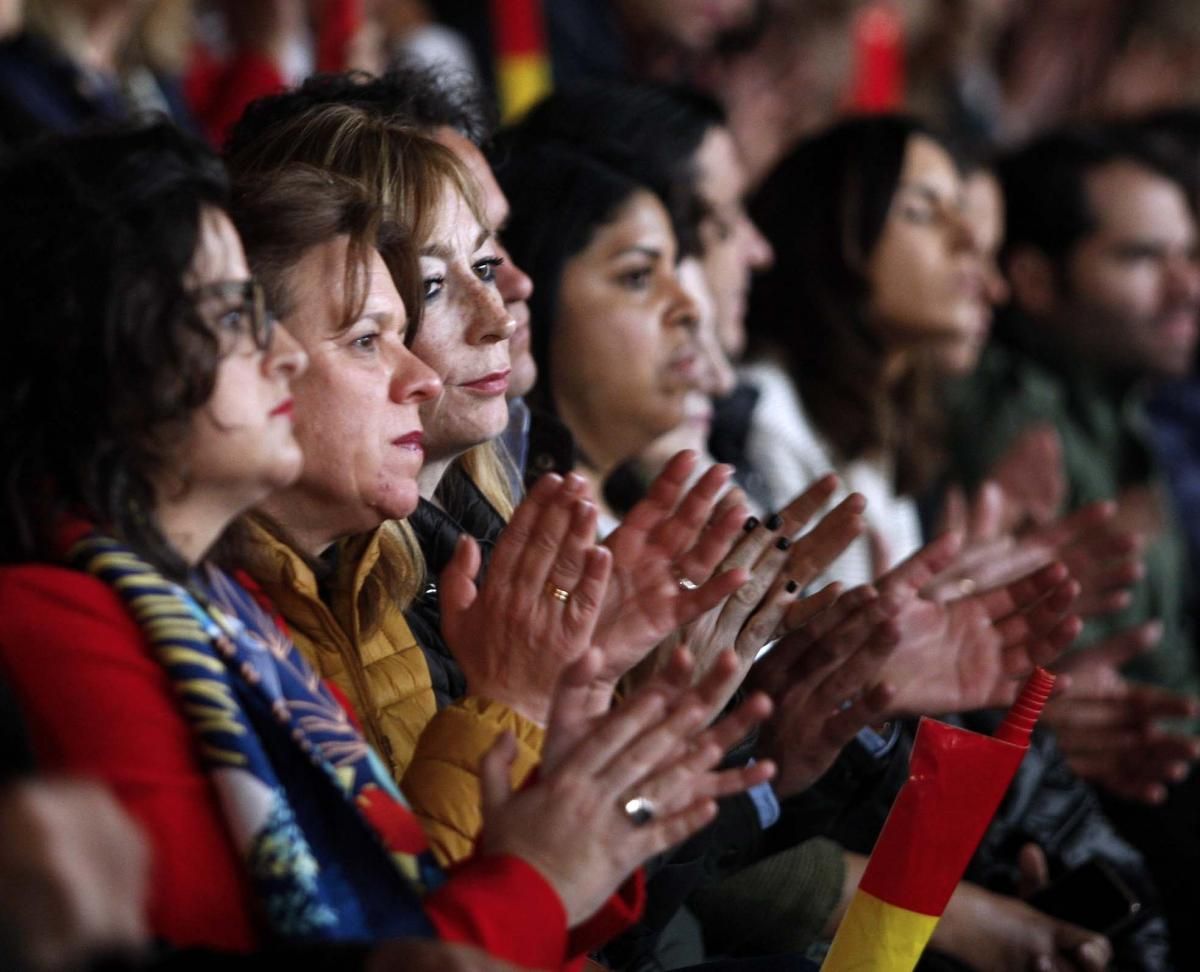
99, 705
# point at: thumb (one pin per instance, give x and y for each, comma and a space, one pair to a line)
987, 514
954, 510
495, 770
1033, 871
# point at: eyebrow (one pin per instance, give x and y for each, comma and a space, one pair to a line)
650, 252
931, 193
443, 252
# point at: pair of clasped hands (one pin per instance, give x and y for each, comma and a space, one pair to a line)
676, 605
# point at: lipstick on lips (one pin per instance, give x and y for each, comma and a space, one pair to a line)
414, 441
286, 407
494, 384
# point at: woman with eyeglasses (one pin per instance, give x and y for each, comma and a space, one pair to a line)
147, 402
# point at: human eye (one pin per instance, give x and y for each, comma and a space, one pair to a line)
233, 320
433, 285
636, 278
485, 269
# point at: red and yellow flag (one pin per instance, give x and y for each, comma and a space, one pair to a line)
522, 58
956, 781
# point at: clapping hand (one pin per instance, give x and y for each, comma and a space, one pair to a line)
769, 604
664, 556
969, 653
536, 612
1110, 728
615, 790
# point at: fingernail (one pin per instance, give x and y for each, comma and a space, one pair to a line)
791, 587
750, 524
774, 521
783, 543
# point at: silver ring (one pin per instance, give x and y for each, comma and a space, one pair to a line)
640, 810
687, 584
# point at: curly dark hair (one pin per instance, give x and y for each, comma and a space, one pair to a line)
106, 358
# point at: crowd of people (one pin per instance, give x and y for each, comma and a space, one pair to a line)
428, 543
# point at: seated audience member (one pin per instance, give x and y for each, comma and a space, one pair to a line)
848, 390
75, 62
678, 143
166, 413
1100, 261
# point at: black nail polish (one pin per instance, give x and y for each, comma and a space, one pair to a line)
783, 543
750, 524
791, 587
774, 522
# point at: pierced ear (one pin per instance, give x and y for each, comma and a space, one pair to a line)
1031, 276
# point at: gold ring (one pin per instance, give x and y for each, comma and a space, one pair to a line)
558, 593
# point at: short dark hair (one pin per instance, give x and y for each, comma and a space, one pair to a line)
413, 96
105, 353
560, 196
1045, 184
650, 131
823, 209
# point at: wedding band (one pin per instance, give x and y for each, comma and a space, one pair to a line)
687, 584
558, 593
639, 810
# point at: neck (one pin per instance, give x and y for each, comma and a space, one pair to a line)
304, 520
192, 522
595, 480
430, 476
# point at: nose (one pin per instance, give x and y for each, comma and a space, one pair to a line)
759, 253
284, 356
719, 377
489, 320
512, 282
1183, 277
682, 309
413, 381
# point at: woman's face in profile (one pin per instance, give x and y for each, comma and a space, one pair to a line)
464, 332
925, 273
357, 408
240, 443
623, 356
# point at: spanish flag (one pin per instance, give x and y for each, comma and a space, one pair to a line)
956, 781
522, 58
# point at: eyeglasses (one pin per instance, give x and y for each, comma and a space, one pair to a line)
236, 308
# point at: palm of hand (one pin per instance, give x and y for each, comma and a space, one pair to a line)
643, 606
949, 658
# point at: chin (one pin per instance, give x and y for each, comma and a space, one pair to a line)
400, 502
523, 377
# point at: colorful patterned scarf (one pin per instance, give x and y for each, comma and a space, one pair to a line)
330, 847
